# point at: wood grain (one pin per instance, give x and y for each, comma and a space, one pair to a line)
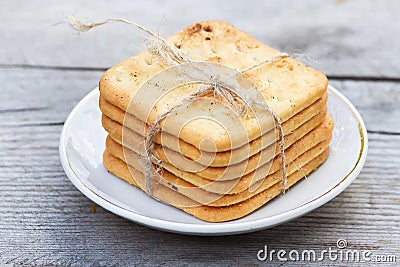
45, 220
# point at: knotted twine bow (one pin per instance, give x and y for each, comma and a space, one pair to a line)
172, 56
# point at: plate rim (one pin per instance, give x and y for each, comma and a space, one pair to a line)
216, 228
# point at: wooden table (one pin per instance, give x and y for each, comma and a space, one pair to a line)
46, 68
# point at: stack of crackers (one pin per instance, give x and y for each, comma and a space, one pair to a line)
232, 177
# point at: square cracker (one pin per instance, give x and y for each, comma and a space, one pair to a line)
286, 84
218, 159
204, 197
208, 213
306, 143
235, 170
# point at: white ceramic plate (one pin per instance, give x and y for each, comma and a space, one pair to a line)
82, 144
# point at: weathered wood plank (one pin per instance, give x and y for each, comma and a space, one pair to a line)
378, 103
41, 97
341, 37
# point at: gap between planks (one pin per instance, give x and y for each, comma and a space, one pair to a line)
97, 69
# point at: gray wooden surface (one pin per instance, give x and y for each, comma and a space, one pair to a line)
45, 69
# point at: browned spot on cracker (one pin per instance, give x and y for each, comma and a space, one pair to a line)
255, 45
208, 28
239, 45
216, 59
194, 29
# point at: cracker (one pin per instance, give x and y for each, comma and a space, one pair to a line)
221, 173
287, 85
200, 195
206, 158
208, 213
307, 142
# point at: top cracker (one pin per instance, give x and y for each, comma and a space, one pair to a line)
288, 86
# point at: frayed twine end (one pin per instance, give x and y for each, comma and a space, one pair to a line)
156, 45
80, 26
